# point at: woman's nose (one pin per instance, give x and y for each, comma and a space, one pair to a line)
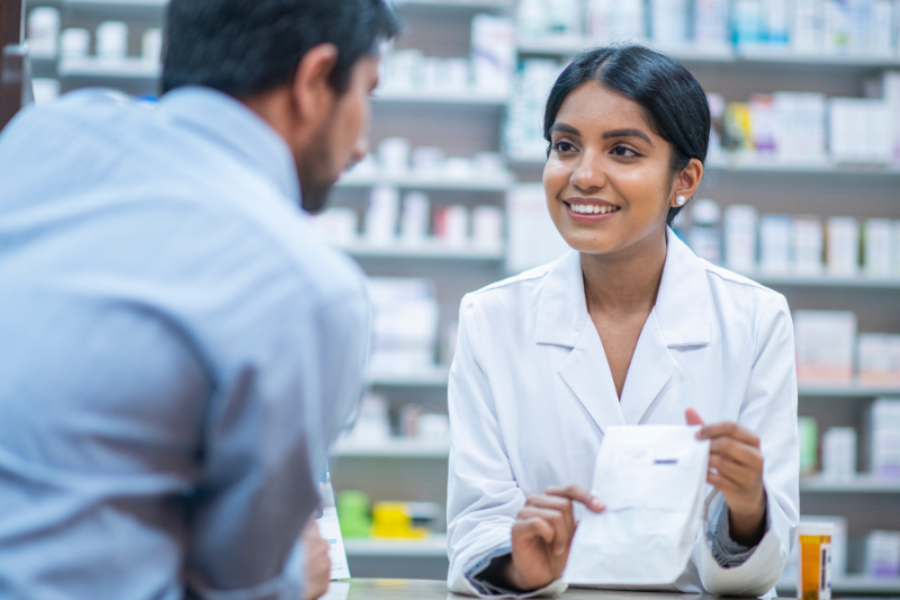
588, 176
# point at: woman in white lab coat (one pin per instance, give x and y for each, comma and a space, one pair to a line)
630, 327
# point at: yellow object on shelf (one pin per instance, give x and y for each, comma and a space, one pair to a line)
815, 561
395, 520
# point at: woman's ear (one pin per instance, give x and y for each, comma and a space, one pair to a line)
687, 182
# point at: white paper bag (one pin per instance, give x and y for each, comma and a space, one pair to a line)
652, 479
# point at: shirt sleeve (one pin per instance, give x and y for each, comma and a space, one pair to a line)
267, 437
727, 552
483, 497
770, 410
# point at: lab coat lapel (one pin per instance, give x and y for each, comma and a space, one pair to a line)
680, 319
563, 321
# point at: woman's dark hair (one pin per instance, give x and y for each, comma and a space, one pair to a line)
672, 100
245, 47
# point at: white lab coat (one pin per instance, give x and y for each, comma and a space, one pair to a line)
531, 393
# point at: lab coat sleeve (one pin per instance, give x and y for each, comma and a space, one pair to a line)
770, 410
483, 497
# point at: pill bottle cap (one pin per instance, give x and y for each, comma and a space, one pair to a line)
808, 528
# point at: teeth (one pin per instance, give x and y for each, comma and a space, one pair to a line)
593, 209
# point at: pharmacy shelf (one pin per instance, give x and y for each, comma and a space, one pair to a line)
824, 281
434, 378
427, 251
442, 98
472, 184
94, 68
563, 47
847, 391
466, 4
863, 484
851, 584
434, 546
394, 448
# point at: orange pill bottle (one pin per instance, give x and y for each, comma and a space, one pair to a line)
814, 561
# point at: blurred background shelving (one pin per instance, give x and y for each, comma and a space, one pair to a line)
457, 146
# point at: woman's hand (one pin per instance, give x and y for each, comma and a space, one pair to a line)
542, 535
736, 470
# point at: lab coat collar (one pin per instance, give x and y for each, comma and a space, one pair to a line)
681, 317
682, 311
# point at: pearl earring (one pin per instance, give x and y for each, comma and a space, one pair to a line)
680, 200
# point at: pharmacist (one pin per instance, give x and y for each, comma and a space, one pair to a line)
628, 328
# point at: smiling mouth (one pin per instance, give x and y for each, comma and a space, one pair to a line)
592, 209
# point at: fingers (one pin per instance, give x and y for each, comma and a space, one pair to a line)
728, 429
562, 532
577, 494
533, 527
736, 473
743, 454
692, 417
559, 504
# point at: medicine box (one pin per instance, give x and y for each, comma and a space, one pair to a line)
825, 343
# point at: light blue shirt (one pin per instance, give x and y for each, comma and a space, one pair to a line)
177, 350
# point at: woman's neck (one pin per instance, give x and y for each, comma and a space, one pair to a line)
625, 282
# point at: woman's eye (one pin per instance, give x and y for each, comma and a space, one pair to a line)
624, 152
563, 147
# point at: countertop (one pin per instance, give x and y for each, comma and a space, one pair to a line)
414, 589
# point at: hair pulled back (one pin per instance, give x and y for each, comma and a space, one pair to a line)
673, 101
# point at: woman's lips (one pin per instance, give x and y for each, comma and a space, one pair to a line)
588, 211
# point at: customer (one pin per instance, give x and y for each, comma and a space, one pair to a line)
177, 348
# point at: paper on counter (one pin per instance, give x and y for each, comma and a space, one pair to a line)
651, 479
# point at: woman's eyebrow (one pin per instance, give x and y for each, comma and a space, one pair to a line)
565, 128
628, 133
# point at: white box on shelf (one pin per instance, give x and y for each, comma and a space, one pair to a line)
878, 245
669, 23
839, 454
775, 241
381, 216
112, 41
393, 155
800, 127
857, 131
843, 247
878, 357
808, 242
414, 219
152, 45
884, 424
711, 27
338, 225
617, 21
405, 318
43, 32
883, 554
451, 226
487, 227
493, 53
825, 343
740, 225
808, 31
75, 42
532, 237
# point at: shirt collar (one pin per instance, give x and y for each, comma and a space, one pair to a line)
236, 129
682, 304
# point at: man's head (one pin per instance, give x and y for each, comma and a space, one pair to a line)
305, 66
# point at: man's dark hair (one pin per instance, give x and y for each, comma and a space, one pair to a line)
246, 47
672, 99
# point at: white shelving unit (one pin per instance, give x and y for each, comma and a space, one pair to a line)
94, 68
434, 546
862, 484
497, 183
436, 378
394, 448
851, 584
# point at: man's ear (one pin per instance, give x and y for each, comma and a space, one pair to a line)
311, 91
